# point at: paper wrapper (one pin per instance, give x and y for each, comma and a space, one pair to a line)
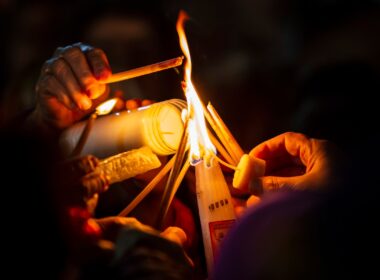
129, 164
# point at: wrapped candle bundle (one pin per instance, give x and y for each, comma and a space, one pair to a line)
215, 207
129, 164
158, 126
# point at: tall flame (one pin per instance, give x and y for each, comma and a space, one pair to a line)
201, 147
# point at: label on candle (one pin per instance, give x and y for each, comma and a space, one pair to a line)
218, 230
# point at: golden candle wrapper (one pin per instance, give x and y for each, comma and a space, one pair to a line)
129, 164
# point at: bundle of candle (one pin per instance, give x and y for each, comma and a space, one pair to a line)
165, 132
197, 148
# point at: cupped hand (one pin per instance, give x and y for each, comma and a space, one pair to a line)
295, 161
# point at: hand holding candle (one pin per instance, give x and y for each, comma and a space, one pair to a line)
68, 86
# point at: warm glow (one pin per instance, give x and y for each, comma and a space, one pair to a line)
106, 107
201, 147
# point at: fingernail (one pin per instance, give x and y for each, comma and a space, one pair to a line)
96, 90
253, 200
86, 103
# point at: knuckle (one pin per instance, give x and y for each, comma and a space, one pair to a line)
96, 52
291, 134
59, 66
275, 184
44, 83
78, 44
84, 47
271, 184
48, 63
72, 53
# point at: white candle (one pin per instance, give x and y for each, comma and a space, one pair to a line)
215, 208
158, 126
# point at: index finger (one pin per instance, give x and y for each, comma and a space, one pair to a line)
99, 63
289, 143
77, 61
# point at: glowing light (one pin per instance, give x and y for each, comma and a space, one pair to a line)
106, 107
201, 147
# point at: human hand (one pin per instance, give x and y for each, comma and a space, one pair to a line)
111, 225
294, 161
69, 85
80, 181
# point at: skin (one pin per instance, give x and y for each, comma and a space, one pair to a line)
293, 161
296, 161
69, 86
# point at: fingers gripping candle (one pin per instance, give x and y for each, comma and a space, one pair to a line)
158, 126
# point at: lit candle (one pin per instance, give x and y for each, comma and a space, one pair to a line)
214, 199
158, 126
216, 211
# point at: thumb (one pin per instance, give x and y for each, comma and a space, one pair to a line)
175, 234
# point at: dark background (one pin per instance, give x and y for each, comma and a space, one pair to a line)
267, 66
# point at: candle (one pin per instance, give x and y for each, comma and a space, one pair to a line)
215, 208
144, 70
129, 164
83, 137
158, 126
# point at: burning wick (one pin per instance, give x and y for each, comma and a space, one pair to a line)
144, 70
103, 109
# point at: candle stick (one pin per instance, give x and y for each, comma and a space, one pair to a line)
144, 70
179, 157
178, 180
221, 149
83, 138
103, 109
147, 189
221, 137
234, 147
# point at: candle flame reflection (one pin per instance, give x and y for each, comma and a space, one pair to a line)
201, 147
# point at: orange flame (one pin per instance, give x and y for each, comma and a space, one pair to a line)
201, 147
106, 107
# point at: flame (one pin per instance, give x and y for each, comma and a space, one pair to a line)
106, 107
201, 147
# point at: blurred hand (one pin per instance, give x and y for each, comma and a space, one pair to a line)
80, 181
292, 160
111, 226
69, 87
